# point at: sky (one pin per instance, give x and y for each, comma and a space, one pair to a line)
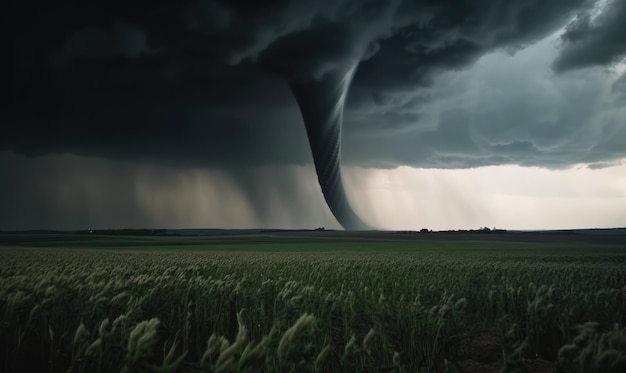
458, 114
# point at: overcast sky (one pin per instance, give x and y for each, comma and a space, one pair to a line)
460, 114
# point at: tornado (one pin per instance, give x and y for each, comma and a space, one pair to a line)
321, 102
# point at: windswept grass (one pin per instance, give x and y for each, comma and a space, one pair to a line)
268, 304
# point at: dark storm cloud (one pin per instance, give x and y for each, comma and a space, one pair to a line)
203, 83
594, 41
122, 39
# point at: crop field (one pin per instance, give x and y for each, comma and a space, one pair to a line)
88, 303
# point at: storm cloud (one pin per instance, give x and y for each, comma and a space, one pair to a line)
206, 83
595, 37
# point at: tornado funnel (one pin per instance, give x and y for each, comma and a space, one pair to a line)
321, 103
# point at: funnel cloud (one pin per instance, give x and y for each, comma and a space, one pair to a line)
321, 102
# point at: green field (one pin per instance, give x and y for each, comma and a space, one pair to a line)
84, 303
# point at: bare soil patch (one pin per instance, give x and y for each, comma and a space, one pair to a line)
484, 353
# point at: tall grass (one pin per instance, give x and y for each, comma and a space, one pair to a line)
102, 311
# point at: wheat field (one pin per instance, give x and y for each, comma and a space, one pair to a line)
261, 303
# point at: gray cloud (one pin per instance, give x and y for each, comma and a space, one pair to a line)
619, 87
505, 109
89, 43
203, 83
594, 39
